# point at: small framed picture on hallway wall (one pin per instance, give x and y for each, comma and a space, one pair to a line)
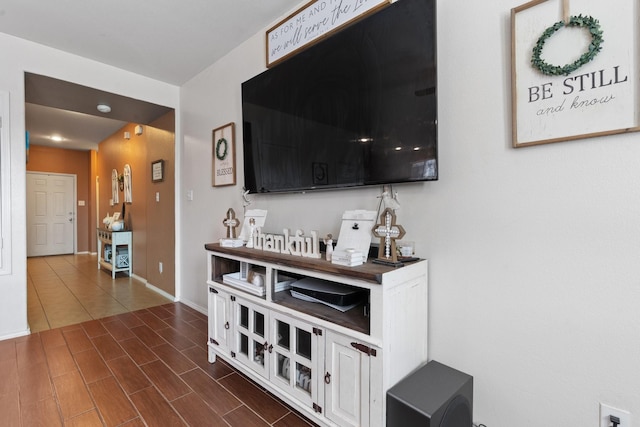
224, 156
157, 171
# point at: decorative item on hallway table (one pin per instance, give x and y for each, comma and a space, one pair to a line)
224, 156
388, 231
554, 99
231, 223
113, 222
106, 221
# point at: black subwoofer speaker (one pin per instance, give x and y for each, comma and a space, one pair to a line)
434, 395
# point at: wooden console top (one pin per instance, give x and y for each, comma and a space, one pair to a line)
368, 271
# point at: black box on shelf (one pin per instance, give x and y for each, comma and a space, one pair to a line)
329, 292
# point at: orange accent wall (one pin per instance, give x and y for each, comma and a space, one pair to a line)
73, 162
152, 223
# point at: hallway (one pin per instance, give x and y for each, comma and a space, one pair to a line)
69, 289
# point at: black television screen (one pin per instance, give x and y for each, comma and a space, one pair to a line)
358, 108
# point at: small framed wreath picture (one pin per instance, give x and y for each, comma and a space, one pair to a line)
224, 156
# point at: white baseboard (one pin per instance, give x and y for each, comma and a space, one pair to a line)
16, 335
154, 288
161, 292
195, 306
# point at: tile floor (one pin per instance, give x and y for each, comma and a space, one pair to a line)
69, 289
147, 367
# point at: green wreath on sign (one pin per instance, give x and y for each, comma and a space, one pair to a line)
222, 143
579, 21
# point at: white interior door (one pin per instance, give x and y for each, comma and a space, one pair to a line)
50, 214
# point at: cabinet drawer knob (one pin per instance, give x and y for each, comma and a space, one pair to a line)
226, 325
327, 378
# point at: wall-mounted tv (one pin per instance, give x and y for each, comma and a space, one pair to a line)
358, 108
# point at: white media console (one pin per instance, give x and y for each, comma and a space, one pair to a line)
334, 367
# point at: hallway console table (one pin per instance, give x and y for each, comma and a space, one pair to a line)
334, 367
114, 251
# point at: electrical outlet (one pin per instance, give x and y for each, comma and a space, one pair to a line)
160, 267
605, 416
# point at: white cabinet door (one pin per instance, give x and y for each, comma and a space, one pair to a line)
250, 329
346, 381
220, 320
293, 349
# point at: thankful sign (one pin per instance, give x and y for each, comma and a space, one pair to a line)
314, 20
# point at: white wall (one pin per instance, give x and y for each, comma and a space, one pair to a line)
534, 252
20, 56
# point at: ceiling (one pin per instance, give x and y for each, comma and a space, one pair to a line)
135, 35
57, 108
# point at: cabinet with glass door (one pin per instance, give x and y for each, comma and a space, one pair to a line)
333, 366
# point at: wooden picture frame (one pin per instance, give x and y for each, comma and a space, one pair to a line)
157, 171
311, 23
224, 155
592, 97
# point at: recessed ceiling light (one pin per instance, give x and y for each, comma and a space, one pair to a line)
104, 108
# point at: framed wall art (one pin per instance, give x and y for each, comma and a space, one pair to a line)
574, 70
312, 22
224, 156
157, 171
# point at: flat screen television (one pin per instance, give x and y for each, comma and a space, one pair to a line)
358, 108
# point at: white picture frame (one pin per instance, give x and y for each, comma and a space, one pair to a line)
555, 108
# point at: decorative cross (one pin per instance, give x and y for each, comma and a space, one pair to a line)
388, 231
231, 222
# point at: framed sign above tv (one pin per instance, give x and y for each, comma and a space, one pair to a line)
313, 21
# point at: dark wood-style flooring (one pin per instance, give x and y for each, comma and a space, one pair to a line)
143, 368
